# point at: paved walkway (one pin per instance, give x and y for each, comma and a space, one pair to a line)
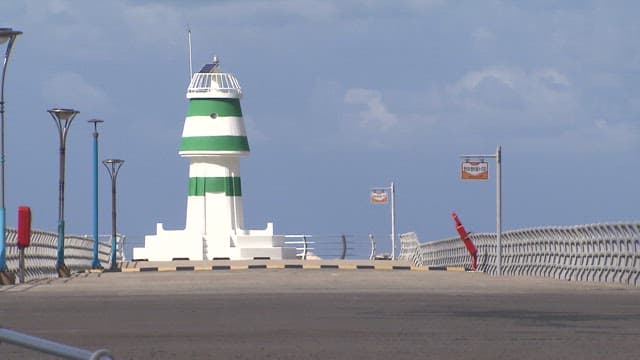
325, 314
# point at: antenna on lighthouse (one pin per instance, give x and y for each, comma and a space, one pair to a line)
215, 63
190, 63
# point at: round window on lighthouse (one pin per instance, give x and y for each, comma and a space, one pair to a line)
213, 115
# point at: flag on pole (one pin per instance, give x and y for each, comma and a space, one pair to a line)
379, 196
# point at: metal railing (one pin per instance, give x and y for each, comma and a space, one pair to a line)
598, 252
51, 347
215, 82
331, 246
41, 255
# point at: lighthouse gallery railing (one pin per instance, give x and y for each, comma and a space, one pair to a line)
598, 252
223, 83
41, 255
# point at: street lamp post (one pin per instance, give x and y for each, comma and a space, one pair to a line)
113, 166
63, 119
7, 35
96, 262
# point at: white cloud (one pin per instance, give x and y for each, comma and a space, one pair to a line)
375, 126
551, 78
506, 96
513, 78
253, 130
68, 89
60, 6
161, 20
606, 136
472, 80
596, 137
481, 34
311, 9
375, 116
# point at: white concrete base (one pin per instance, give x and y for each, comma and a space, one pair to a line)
276, 253
167, 245
170, 244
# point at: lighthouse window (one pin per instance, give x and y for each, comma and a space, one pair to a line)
213, 115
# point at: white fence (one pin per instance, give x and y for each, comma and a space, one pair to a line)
41, 255
599, 252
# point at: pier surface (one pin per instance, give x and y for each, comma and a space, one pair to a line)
329, 313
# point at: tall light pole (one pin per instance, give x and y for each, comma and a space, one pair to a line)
96, 262
7, 35
113, 166
498, 157
63, 119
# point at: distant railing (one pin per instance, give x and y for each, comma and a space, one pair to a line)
343, 246
598, 252
41, 255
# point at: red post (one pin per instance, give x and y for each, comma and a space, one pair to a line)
24, 236
464, 236
24, 226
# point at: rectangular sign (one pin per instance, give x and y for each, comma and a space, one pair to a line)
379, 196
475, 170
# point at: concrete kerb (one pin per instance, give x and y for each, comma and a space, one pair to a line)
217, 265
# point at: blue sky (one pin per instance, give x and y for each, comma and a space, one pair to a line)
339, 96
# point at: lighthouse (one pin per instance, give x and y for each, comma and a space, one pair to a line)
214, 140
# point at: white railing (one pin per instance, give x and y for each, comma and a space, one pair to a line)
343, 246
214, 83
41, 255
302, 243
598, 252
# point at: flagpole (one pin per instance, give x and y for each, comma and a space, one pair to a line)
393, 221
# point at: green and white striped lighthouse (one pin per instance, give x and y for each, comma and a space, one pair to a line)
214, 139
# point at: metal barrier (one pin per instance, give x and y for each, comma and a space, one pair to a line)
410, 248
331, 246
304, 246
51, 347
598, 252
41, 255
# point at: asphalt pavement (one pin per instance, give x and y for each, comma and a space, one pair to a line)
325, 314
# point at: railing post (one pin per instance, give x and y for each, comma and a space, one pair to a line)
372, 255
304, 247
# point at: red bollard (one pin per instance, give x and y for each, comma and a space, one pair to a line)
24, 226
24, 235
464, 236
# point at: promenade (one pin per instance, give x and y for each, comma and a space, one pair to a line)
324, 313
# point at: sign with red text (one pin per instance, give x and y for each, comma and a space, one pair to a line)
379, 196
475, 170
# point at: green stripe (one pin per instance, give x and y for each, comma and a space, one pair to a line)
222, 107
198, 186
214, 143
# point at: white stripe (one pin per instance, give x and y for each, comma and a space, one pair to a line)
206, 126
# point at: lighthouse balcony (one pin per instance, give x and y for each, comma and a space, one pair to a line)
214, 85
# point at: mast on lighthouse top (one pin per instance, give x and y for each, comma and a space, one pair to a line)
210, 82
